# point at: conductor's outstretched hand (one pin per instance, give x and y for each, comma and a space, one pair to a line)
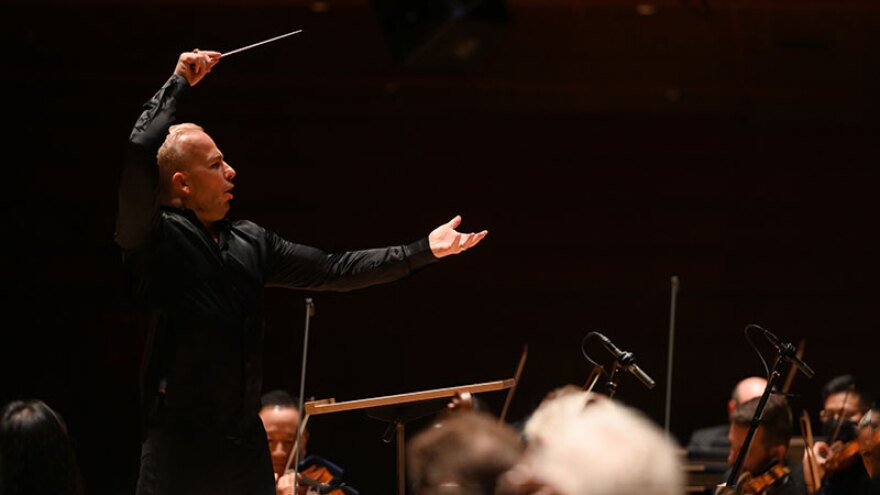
195, 65
445, 240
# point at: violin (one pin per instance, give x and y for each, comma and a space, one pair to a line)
842, 456
760, 484
748, 485
319, 476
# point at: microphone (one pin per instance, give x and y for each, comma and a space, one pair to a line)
626, 360
789, 352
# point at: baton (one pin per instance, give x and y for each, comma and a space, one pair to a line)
270, 40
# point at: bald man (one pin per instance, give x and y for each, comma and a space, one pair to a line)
712, 441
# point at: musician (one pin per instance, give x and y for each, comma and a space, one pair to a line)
869, 450
198, 279
280, 416
462, 454
864, 477
37, 454
580, 443
281, 419
769, 445
844, 406
712, 441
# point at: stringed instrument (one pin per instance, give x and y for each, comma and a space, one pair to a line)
765, 481
321, 476
844, 456
757, 485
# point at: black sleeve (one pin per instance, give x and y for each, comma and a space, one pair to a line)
297, 266
138, 203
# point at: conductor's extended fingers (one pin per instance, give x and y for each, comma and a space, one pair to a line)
476, 238
212, 61
470, 240
208, 54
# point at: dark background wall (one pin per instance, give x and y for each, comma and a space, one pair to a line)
607, 146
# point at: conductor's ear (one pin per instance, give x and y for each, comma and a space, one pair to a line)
179, 183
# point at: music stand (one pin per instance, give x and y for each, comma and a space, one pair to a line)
400, 409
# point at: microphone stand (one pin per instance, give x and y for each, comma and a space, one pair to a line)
624, 361
756, 419
611, 384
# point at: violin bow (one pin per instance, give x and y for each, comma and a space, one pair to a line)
792, 371
519, 370
839, 419
807, 433
593, 379
294, 454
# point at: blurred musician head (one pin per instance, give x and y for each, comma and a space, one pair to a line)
463, 454
771, 439
745, 390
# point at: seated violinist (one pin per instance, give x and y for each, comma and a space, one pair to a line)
865, 480
836, 456
764, 465
280, 415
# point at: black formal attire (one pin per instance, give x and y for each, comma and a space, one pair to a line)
853, 480
203, 308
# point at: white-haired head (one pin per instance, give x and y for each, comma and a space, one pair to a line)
584, 444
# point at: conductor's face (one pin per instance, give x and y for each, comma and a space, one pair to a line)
206, 183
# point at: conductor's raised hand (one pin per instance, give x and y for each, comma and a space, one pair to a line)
195, 65
445, 240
